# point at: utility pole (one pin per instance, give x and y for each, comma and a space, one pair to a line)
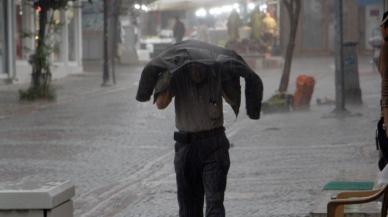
339, 59
105, 75
114, 33
385, 5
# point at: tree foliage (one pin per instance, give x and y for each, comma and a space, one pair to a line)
40, 60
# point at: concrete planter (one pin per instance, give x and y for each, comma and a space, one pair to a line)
30, 199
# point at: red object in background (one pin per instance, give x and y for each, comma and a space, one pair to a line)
304, 90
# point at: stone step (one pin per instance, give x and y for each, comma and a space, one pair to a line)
4, 79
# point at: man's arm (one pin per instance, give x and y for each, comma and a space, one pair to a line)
162, 94
163, 99
231, 89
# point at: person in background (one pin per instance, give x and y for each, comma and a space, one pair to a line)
178, 30
382, 126
203, 31
270, 29
233, 25
256, 21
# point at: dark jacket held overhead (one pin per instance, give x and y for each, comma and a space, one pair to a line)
225, 65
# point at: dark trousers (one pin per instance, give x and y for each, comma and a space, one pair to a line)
201, 170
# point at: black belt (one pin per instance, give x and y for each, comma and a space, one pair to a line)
187, 137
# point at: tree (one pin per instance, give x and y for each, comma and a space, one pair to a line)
40, 61
293, 8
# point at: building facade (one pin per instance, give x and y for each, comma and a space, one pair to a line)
18, 25
92, 30
316, 30
122, 35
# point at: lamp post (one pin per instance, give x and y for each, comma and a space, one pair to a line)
105, 75
339, 59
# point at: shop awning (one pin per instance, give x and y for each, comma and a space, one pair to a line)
165, 5
368, 2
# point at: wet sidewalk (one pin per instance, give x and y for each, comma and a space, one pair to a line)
119, 152
322, 68
67, 88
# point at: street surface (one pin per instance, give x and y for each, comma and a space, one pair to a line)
119, 153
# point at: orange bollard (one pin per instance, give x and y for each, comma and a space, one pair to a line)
304, 90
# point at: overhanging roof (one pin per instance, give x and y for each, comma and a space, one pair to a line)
165, 5
369, 2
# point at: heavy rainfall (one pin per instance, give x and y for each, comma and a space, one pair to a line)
191, 108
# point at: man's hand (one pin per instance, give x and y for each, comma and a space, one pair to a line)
162, 94
163, 99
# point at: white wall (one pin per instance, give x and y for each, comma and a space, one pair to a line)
59, 69
372, 23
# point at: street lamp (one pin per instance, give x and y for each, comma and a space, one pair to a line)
339, 60
105, 73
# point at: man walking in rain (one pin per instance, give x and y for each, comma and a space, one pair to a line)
198, 75
201, 149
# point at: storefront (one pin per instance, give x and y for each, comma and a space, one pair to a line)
373, 13
214, 15
7, 67
316, 34
18, 20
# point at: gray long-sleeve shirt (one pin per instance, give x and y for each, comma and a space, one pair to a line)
198, 105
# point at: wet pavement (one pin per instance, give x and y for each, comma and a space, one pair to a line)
119, 153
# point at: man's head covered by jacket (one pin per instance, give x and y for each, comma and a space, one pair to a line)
198, 72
